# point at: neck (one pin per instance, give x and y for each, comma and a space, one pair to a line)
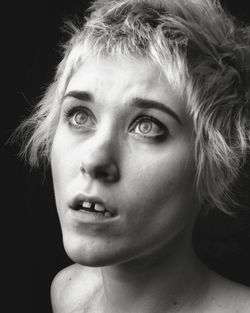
168, 282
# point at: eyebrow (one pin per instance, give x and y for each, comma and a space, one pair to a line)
80, 95
135, 102
152, 104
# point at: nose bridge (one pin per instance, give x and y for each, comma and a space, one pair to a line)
99, 158
103, 140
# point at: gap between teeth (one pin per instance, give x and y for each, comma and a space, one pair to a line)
97, 207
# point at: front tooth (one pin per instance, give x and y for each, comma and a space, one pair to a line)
99, 207
107, 214
86, 204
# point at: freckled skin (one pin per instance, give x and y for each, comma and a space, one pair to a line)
154, 194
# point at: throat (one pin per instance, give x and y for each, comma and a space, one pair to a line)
164, 289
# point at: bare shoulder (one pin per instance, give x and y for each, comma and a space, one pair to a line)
72, 287
228, 296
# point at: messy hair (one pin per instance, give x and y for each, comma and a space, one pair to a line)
205, 55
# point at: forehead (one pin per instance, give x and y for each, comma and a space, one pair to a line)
120, 79
124, 69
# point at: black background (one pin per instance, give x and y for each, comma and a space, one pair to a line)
31, 250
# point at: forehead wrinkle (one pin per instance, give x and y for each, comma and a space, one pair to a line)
115, 86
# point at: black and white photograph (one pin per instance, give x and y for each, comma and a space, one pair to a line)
126, 156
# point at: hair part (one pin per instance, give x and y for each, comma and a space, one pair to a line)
204, 54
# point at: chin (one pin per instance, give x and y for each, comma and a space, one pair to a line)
92, 253
92, 259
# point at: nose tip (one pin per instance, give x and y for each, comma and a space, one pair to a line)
105, 172
100, 164
100, 156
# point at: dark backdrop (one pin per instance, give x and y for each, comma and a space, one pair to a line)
32, 251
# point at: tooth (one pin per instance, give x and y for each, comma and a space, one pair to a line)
99, 207
86, 204
107, 214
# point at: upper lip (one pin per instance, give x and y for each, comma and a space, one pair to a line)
80, 198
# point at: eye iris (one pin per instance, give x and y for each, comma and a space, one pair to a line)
145, 127
80, 118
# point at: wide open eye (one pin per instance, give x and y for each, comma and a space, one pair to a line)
80, 118
149, 127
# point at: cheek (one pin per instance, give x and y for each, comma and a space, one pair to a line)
62, 164
57, 174
162, 197
157, 178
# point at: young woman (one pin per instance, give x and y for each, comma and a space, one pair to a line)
145, 125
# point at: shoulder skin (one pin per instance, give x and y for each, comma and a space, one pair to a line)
227, 296
72, 287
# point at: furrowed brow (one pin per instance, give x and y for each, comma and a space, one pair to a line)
152, 104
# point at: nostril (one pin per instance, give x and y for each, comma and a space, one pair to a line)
107, 173
103, 172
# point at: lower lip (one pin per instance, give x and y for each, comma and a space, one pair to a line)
91, 218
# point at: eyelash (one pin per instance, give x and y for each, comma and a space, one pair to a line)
70, 112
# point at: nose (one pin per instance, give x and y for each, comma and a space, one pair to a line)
99, 160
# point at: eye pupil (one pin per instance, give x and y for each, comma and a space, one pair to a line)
145, 127
80, 118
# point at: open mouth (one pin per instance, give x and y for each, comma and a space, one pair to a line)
91, 207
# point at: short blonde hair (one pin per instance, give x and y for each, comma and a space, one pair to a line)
204, 54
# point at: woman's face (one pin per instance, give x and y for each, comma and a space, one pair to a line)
124, 145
